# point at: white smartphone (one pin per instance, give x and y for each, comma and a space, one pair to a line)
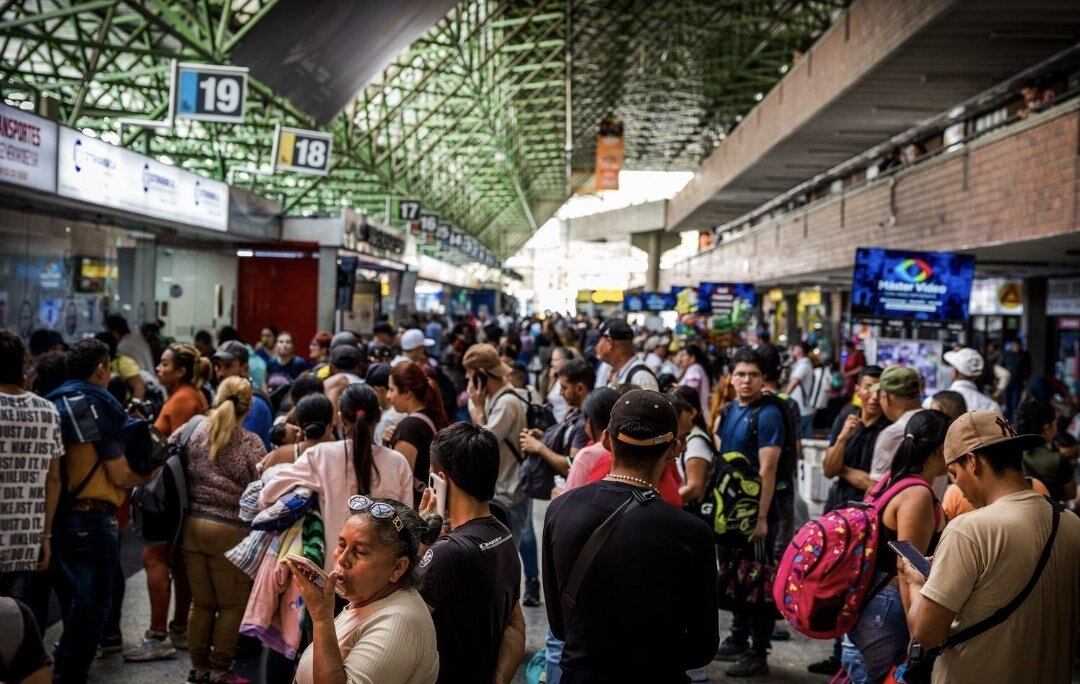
438, 485
313, 572
911, 555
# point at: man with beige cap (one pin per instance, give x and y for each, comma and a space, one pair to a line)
1016, 557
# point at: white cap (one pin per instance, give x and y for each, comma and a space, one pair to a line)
966, 361
414, 339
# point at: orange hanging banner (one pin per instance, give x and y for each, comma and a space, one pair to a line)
609, 154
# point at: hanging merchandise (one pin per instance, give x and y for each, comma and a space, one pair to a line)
609, 153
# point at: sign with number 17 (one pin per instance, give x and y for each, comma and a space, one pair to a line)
296, 149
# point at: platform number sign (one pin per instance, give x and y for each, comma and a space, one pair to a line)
211, 93
408, 210
302, 151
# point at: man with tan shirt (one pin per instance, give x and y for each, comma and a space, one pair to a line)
989, 559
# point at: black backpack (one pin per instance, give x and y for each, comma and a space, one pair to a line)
537, 416
537, 476
159, 508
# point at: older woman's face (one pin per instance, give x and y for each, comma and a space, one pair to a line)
365, 564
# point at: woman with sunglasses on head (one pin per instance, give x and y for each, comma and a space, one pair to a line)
221, 460
355, 465
386, 633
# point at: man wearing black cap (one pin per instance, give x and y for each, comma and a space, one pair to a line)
616, 349
629, 581
231, 358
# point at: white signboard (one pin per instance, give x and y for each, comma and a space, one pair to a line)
27, 150
100, 173
1063, 297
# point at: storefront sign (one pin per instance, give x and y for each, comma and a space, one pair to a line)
99, 173
27, 150
916, 285
996, 297
649, 301
211, 92
301, 151
722, 298
1063, 297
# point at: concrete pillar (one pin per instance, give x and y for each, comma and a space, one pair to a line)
324, 319
652, 275
791, 323
1034, 326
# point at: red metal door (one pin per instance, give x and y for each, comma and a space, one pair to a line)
279, 292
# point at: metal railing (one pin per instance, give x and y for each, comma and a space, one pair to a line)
965, 112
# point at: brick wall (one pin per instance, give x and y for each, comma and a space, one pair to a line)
1019, 183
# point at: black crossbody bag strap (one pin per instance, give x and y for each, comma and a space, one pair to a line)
592, 547
1003, 613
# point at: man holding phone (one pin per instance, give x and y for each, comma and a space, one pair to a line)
471, 576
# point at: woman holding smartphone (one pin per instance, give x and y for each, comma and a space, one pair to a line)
386, 634
880, 639
338, 470
412, 393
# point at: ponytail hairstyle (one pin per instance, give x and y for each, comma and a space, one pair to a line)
923, 436
359, 407
314, 413
410, 377
231, 404
186, 356
690, 396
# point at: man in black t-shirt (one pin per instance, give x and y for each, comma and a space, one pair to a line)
645, 610
471, 576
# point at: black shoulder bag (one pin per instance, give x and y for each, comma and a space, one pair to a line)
919, 664
592, 547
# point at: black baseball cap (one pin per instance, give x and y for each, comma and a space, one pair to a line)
643, 418
383, 327
345, 357
378, 375
232, 350
616, 329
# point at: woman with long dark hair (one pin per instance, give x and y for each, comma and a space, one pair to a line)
696, 459
314, 415
354, 465
414, 394
881, 636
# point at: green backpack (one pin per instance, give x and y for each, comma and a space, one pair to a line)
731, 502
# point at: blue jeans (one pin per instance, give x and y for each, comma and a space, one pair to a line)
521, 526
806, 426
553, 655
87, 548
881, 637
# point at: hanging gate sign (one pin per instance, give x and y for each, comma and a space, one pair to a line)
296, 149
210, 92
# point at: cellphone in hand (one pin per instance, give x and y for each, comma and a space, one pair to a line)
480, 379
911, 555
438, 485
313, 572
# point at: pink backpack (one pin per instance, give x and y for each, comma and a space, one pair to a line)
824, 577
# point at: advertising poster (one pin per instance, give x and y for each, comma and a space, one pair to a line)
723, 298
923, 355
100, 173
27, 150
926, 286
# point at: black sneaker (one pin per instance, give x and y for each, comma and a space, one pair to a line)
749, 664
110, 644
531, 598
730, 650
829, 666
196, 677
